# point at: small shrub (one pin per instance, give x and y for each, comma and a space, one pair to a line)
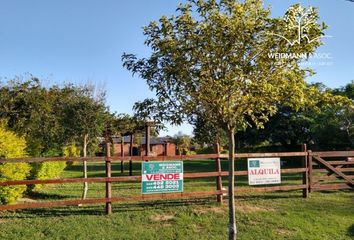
192, 153
12, 146
13, 171
211, 150
50, 170
206, 150
71, 151
45, 170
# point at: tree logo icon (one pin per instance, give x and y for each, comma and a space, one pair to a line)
300, 26
254, 164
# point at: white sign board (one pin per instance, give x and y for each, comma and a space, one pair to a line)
263, 171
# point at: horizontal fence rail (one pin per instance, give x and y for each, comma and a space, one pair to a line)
313, 163
153, 158
132, 178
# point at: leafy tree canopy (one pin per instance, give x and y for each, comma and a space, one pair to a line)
212, 57
218, 63
51, 117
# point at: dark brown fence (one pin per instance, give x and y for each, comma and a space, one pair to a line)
319, 170
331, 170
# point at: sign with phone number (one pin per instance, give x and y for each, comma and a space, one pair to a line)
162, 177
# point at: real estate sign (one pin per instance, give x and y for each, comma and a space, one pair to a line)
162, 177
263, 171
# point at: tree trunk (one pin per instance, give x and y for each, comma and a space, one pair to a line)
219, 197
122, 154
84, 193
147, 139
232, 219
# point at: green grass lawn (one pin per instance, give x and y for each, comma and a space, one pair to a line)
276, 215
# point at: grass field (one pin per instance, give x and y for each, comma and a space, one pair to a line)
276, 215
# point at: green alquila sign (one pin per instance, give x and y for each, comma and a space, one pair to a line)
162, 177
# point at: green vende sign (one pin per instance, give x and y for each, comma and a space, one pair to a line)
162, 177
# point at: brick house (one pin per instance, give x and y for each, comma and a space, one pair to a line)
159, 146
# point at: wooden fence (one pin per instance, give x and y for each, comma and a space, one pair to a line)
317, 168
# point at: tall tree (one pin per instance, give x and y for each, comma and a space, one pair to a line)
84, 118
213, 57
333, 125
32, 111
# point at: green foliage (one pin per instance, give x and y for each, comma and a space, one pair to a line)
51, 117
333, 123
183, 143
31, 112
206, 150
326, 123
71, 151
12, 171
50, 170
212, 58
215, 60
84, 116
45, 170
207, 132
124, 125
12, 146
146, 111
210, 150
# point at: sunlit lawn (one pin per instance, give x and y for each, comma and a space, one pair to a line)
276, 215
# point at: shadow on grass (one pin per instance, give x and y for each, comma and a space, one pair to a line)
351, 231
46, 196
333, 191
99, 210
57, 212
272, 195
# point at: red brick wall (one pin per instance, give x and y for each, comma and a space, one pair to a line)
117, 149
156, 150
159, 150
171, 149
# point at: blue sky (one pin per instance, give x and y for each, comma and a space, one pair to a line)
83, 40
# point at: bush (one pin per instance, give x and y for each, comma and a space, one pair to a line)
206, 150
211, 150
192, 153
12, 146
13, 171
50, 170
45, 170
71, 151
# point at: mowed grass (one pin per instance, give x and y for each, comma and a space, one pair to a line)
276, 215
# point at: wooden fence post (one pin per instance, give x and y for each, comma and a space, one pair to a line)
108, 175
122, 154
131, 154
305, 176
310, 170
147, 138
219, 197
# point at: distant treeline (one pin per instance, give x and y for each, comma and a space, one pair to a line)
327, 125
